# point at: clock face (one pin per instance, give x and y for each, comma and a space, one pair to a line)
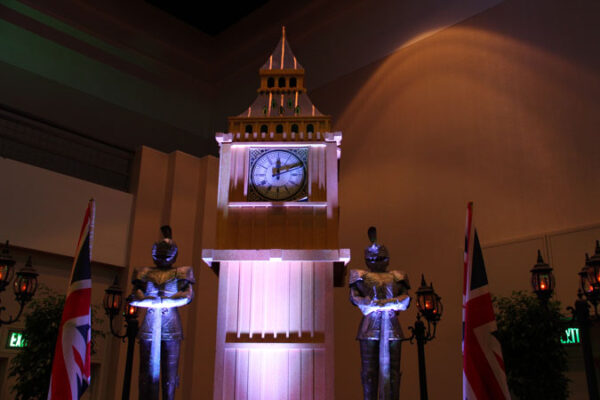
277, 174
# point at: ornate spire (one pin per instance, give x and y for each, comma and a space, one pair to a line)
282, 106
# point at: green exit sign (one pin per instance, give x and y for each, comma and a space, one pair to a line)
15, 340
571, 336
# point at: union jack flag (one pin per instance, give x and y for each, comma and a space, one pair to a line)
72, 354
484, 377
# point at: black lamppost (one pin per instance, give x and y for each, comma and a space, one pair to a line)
589, 292
24, 284
113, 299
430, 306
542, 282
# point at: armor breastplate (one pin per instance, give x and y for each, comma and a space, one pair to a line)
379, 286
160, 283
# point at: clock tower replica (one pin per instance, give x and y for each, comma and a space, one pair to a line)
277, 243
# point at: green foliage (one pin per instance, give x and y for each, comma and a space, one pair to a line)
32, 365
534, 358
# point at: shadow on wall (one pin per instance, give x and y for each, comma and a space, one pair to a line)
501, 110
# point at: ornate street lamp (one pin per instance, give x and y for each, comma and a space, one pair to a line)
24, 284
113, 300
589, 278
6, 267
587, 287
430, 307
429, 303
542, 279
593, 267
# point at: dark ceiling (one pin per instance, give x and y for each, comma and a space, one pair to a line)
212, 17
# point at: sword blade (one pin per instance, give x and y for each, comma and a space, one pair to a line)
155, 346
384, 357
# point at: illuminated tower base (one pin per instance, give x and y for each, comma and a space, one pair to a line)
275, 324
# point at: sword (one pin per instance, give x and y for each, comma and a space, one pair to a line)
384, 357
155, 345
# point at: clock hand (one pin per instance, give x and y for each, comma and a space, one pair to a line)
277, 168
286, 168
289, 170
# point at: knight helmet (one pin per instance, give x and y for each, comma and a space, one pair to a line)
376, 255
164, 252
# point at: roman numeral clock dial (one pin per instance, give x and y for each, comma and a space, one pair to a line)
277, 174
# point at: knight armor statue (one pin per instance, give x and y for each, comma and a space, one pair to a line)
380, 295
161, 289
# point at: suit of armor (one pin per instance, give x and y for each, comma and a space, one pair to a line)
380, 295
161, 289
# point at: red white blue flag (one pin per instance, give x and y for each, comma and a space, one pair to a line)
72, 354
484, 377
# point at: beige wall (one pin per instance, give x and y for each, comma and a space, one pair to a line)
499, 109
43, 210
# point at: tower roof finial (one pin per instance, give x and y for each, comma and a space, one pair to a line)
282, 57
